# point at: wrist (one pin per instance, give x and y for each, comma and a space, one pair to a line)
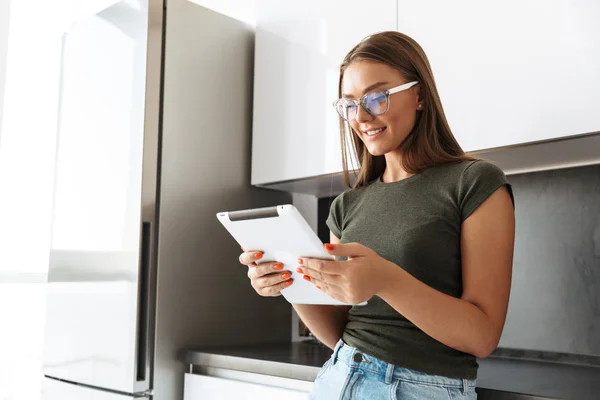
392, 278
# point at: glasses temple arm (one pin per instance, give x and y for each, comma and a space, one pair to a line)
402, 87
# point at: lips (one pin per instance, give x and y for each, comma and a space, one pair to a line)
372, 132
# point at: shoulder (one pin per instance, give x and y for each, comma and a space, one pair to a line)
468, 183
338, 211
480, 168
455, 176
351, 196
469, 168
347, 202
478, 180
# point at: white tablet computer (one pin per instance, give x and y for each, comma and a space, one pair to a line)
283, 235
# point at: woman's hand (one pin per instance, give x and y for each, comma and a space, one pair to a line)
268, 279
358, 279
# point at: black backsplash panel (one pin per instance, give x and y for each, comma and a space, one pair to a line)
555, 296
323, 230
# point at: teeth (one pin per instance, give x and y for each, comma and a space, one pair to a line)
375, 132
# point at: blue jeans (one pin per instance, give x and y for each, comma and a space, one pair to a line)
350, 374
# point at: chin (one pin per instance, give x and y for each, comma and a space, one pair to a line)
378, 151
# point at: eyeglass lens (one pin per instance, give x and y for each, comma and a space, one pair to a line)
375, 103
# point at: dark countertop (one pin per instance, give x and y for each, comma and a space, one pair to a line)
302, 361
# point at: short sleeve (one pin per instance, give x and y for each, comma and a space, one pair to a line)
478, 182
335, 218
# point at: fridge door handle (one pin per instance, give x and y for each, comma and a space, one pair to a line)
144, 304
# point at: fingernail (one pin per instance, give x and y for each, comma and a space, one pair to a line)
306, 277
278, 267
318, 287
300, 261
258, 255
288, 283
299, 270
286, 275
328, 246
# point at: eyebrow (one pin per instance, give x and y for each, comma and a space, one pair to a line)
368, 89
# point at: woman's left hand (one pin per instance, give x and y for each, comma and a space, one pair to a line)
358, 279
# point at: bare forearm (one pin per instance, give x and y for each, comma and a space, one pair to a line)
324, 321
455, 322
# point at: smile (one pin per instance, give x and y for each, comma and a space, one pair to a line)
374, 132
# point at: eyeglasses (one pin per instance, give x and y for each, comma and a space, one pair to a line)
375, 103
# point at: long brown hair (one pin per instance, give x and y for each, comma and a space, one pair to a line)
431, 141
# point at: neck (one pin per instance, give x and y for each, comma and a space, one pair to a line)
393, 169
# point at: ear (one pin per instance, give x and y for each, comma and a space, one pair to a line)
420, 103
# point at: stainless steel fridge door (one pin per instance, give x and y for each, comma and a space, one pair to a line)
99, 305
57, 390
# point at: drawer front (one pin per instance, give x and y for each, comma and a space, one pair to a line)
201, 387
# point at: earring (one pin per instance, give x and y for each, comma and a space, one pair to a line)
420, 106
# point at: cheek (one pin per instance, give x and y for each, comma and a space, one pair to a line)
402, 119
354, 126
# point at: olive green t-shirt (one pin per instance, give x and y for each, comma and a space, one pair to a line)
416, 224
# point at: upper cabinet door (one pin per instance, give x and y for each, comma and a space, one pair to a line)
513, 71
299, 48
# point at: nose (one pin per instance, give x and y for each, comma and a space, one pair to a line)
362, 115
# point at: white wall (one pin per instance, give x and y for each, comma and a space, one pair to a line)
4, 17
28, 138
29, 76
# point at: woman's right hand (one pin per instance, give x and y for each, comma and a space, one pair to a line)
268, 279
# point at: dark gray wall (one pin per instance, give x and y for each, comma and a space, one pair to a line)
307, 205
555, 297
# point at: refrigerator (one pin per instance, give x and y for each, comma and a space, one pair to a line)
153, 140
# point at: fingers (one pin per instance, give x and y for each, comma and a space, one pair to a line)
268, 279
272, 291
250, 257
332, 282
271, 285
327, 276
347, 249
271, 280
256, 271
331, 290
322, 266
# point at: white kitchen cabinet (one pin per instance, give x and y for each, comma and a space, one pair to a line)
202, 387
513, 71
299, 47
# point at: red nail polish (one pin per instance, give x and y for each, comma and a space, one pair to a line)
288, 283
300, 261
258, 255
328, 246
306, 277
299, 270
278, 267
318, 287
286, 275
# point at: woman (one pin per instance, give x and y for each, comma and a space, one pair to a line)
425, 235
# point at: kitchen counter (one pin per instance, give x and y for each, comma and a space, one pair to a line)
302, 361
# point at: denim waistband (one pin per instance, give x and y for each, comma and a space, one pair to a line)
355, 358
